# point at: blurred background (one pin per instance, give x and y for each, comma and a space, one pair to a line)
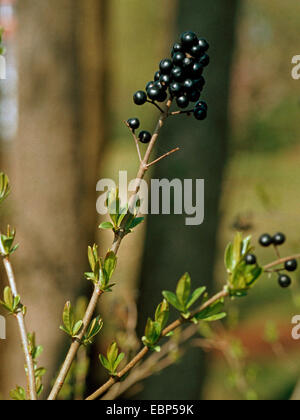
72, 68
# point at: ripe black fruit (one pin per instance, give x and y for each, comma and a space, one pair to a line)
162, 96
196, 51
189, 39
166, 66
149, 85
140, 97
250, 259
165, 80
182, 102
199, 83
133, 123
145, 137
176, 89
266, 240
188, 85
194, 96
284, 281
187, 64
196, 71
291, 265
279, 239
157, 76
203, 44
177, 74
177, 48
202, 104
178, 58
160, 86
153, 93
204, 60
200, 114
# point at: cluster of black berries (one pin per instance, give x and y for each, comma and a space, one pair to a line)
279, 239
179, 78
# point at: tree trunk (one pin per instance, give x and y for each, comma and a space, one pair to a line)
171, 247
56, 158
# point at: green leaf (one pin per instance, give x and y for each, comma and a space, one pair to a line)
110, 264
184, 289
217, 317
104, 362
91, 258
8, 297
106, 226
18, 394
172, 299
112, 353
137, 221
77, 328
4, 187
210, 312
93, 329
162, 314
195, 296
40, 372
118, 361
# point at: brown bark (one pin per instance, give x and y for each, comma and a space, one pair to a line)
56, 158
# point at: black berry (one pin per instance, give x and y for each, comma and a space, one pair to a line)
140, 97
204, 60
188, 85
199, 83
250, 259
145, 137
178, 58
279, 239
284, 281
196, 51
177, 74
157, 76
162, 96
165, 79
189, 39
153, 93
177, 48
291, 265
166, 66
203, 44
202, 104
266, 240
200, 114
133, 123
149, 85
194, 96
160, 86
187, 64
176, 89
182, 102
196, 71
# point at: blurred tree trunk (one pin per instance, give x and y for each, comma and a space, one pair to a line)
171, 247
56, 158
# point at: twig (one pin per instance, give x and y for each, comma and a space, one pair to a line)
189, 112
22, 327
104, 388
136, 141
157, 106
163, 157
115, 248
281, 261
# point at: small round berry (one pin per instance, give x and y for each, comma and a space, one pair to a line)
204, 60
149, 85
266, 240
178, 58
165, 80
134, 123
291, 265
157, 76
177, 48
279, 239
250, 259
189, 39
196, 71
158, 85
187, 64
153, 93
202, 104
203, 44
145, 137
284, 281
166, 66
177, 74
188, 85
162, 96
140, 97
196, 51
194, 96
199, 83
183, 102
176, 89
200, 114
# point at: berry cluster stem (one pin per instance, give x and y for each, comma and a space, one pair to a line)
22, 328
115, 248
281, 261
